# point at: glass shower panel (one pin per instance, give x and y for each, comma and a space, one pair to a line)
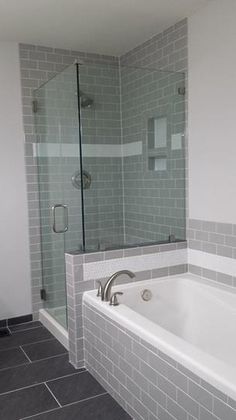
153, 127
102, 156
57, 150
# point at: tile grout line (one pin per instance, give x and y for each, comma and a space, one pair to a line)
64, 406
26, 344
15, 366
52, 394
39, 383
33, 361
24, 329
25, 354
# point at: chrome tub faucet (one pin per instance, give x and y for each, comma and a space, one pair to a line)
105, 292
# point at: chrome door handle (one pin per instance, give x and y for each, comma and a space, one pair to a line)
63, 206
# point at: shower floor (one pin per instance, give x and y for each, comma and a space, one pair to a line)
55, 320
59, 314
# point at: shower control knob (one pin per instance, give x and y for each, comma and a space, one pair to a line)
114, 300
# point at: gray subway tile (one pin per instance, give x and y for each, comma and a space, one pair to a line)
113, 254
201, 395
224, 251
217, 238
159, 272
213, 390
188, 403
230, 241
158, 364
201, 236
149, 372
177, 378
224, 228
140, 351
167, 358
140, 380
125, 340
177, 412
209, 247
223, 411
193, 244
194, 269
225, 279
133, 387
208, 226
157, 395
132, 252
195, 224
94, 257
206, 415
232, 403
188, 373
209, 274
164, 415
177, 269
148, 402
167, 387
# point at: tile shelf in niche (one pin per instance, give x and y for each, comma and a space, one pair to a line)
157, 153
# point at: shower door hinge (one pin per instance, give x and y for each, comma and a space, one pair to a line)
43, 294
35, 106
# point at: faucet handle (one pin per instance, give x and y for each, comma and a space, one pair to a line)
100, 289
114, 300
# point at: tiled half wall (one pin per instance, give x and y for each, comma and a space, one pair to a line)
83, 271
146, 382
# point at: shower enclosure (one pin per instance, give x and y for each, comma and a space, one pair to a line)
111, 164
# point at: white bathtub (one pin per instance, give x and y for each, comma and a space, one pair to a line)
190, 319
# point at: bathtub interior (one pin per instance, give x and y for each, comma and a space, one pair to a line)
199, 313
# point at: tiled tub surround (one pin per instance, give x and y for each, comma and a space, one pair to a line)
153, 373
212, 250
83, 271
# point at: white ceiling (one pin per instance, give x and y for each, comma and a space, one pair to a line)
103, 26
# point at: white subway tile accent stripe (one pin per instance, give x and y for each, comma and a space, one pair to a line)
138, 263
212, 262
89, 150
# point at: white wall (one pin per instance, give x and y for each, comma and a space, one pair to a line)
212, 112
15, 290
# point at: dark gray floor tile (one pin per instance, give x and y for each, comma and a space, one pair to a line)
26, 326
75, 388
98, 408
25, 337
43, 350
12, 357
26, 402
36, 372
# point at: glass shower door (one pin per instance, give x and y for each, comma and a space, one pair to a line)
58, 155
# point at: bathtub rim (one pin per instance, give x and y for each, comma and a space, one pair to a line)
212, 370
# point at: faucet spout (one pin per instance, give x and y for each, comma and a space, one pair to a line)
106, 295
